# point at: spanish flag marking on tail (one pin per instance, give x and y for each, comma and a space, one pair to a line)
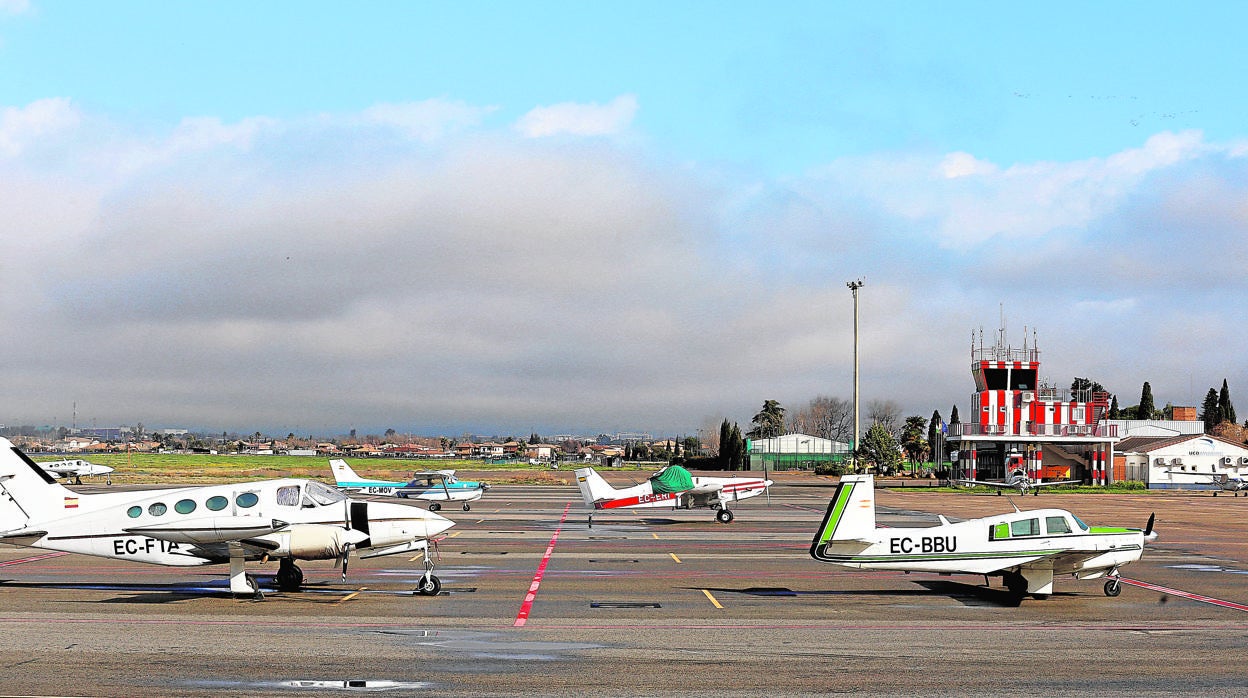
71, 502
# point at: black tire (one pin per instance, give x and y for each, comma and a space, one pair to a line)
466, 507
256, 594
289, 578
429, 587
724, 516
434, 506
1113, 587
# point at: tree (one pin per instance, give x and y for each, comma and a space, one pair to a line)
933, 433
887, 414
769, 423
1146, 408
1224, 404
879, 448
1114, 412
829, 418
1210, 413
1085, 384
912, 441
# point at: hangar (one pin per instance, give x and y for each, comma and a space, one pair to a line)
795, 451
1188, 461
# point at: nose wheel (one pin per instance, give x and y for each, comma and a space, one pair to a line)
1113, 587
724, 516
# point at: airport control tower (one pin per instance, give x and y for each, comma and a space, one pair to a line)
1019, 421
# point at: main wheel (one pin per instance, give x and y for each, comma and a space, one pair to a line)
1113, 587
723, 515
430, 586
466, 507
434, 506
289, 577
1016, 584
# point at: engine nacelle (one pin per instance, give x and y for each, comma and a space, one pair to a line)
312, 542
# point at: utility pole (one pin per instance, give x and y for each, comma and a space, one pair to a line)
853, 287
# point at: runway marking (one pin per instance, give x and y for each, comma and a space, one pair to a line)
523, 616
675, 558
1184, 594
350, 596
711, 597
459, 532
656, 536
32, 558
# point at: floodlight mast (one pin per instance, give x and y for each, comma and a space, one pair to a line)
853, 287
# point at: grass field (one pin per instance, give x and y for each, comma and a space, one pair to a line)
195, 468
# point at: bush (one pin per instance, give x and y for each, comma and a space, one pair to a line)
837, 469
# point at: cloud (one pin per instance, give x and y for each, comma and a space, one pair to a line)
15, 7
412, 267
571, 118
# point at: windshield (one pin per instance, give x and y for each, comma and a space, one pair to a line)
1079, 521
321, 494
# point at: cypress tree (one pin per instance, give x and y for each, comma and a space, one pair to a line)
1146, 408
1225, 407
1209, 411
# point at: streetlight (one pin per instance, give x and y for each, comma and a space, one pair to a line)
853, 287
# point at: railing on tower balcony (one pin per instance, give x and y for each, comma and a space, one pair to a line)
1099, 431
1001, 353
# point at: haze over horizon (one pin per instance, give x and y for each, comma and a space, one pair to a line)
579, 218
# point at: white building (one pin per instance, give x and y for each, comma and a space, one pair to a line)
1189, 461
795, 451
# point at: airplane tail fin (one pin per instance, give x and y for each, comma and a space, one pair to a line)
28, 492
593, 487
344, 474
851, 514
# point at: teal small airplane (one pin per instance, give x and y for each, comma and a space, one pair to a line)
433, 487
1027, 549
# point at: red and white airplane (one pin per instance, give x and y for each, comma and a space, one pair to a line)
672, 487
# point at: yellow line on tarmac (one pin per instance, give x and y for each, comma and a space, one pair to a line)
712, 598
675, 558
350, 596
459, 532
656, 536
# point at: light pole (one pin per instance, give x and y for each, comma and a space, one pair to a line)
853, 287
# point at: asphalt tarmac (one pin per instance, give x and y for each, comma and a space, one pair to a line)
647, 602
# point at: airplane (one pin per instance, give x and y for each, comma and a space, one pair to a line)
286, 519
1027, 549
671, 487
77, 469
421, 486
1017, 479
1226, 483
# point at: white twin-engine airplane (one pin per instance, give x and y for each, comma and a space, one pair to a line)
285, 519
1018, 480
1025, 548
672, 487
77, 469
434, 487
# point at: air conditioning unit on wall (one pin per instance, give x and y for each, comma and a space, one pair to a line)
1159, 461
1176, 461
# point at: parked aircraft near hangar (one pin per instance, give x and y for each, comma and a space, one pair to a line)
672, 487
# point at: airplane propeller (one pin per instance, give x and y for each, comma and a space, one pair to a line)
1149, 533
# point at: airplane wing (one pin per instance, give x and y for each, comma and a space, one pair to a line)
987, 483
1058, 482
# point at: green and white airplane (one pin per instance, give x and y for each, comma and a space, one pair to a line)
1027, 549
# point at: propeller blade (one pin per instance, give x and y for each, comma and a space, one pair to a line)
1148, 530
346, 557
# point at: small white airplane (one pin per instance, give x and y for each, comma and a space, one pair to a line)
1018, 480
434, 487
672, 487
1027, 549
285, 519
1226, 483
77, 469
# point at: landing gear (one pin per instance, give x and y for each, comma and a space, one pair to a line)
429, 586
466, 507
289, 576
1113, 587
1015, 583
256, 594
434, 506
723, 516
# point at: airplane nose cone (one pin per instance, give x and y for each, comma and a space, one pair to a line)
435, 524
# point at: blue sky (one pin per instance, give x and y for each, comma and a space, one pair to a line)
606, 216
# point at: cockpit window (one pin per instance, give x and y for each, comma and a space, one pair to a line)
1056, 524
1079, 522
315, 493
288, 496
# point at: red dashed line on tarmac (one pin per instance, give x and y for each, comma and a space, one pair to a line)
523, 616
1184, 594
